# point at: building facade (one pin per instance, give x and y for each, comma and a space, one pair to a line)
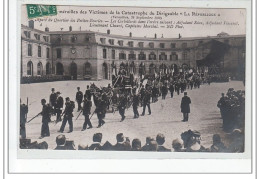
96, 56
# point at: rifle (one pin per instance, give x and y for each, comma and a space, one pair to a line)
56, 121
79, 114
34, 117
92, 114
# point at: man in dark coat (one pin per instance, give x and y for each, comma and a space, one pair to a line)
88, 93
154, 94
185, 107
122, 106
87, 104
135, 105
79, 98
122, 144
96, 145
53, 98
101, 111
46, 118
68, 114
146, 102
171, 88
23, 117
164, 91
59, 106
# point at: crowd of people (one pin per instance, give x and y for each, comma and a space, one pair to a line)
189, 141
44, 78
232, 109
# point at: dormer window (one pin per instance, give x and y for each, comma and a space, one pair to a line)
37, 36
173, 45
131, 43
151, 45
103, 40
141, 44
111, 41
162, 45
73, 38
120, 42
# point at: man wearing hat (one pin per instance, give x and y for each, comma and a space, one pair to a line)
87, 104
122, 106
53, 98
59, 106
101, 111
46, 118
146, 102
122, 144
79, 98
185, 107
88, 93
68, 114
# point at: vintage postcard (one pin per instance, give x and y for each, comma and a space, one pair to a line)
171, 82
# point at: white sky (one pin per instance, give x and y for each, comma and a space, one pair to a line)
231, 15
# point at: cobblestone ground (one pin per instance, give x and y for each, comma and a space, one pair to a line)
166, 116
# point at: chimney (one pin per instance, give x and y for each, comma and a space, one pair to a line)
179, 36
70, 28
108, 31
46, 29
155, 36
130, 34
31, 24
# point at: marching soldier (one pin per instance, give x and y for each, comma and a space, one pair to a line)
23, 117
68, 114
87, 104
185, 107
79, 98
46, 118
101, 111
122, 106
59, 106
88, 93
146, 102
53, 98
154, 94
135, 105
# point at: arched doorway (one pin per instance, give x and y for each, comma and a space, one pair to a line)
73, 71
105, 71
48, 68
59, 69
39, 69
87, 69
152, 69
30, 68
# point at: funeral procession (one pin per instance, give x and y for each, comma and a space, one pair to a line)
93, 90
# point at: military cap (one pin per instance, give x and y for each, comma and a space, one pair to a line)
120, 137
61, 139
185, 93
67, 98
97, 137
78, 87
52, 89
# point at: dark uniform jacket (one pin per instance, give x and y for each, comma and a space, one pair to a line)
95, 146
23, 112
87, 107
162, 149
164, 90
185, 104
135, 100
79, 96
69, 109
46, 113
59, 103
88, 94
147, 97
122, 102
101, 107
124, 146
53, 98
171, 88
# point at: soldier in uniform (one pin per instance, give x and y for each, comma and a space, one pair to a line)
146, 102
164, 91
135, 104
88, 93
59, 106
171, 88
53, 98
101, 111
154, 94
23, 117
46, 118
185, 107
122, 106
68, 114
87, 104
79, 98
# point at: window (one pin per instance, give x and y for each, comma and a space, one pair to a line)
47, 52
103, 40
131, 44
58, 50
184, 45
142, 56
39, 51
59, 39
173, 56
104, 53
162, 45
152, 56
111, 41
131, 56
88, 70
46, 38
87, 39
122, 56
173, 45
184, 55
141, 44
39, 68
37, 36
151, 45
121, 42
73, 38
162, 56
27, 34
113, 54
30, 68
29, 49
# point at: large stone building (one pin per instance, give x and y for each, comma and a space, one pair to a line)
95, 55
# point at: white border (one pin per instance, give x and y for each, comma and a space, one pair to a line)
80, 165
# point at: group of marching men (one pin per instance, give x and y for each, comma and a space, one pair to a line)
117, 98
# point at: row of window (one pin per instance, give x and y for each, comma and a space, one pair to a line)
39, 51
37, 36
